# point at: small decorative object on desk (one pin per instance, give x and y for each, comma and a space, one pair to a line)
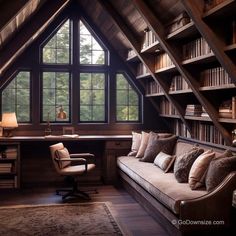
234, 199
68, 130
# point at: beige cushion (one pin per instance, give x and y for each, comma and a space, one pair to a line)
164, 161
162, 186
136, 141
156, 145
63, 153
198, 170
184, 162
143, 144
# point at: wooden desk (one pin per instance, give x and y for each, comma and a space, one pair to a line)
36, 166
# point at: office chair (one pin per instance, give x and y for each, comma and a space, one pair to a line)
63, 162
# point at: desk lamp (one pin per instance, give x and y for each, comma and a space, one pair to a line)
9, 122
60, 115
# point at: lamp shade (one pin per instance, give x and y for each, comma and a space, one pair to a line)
9, 120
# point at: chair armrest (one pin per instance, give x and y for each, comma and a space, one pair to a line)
214, 206
84, 155
72, 159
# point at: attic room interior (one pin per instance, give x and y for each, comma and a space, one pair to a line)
118, 117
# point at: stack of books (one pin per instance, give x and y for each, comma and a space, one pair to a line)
225, 109
7, 183
5, 167
204, 113
193, 110
11, 153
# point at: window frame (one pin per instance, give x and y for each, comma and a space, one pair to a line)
11, 78
140, 102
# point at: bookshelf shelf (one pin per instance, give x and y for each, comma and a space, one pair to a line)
155, 47
170, 116
231, 47
224, 120
133, 58
220, 87
198, 118
9, 165
171, 68
210, 57
185, 31
155, 95
180, 91
226, 7
144, 76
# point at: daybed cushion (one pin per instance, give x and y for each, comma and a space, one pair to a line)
163, 186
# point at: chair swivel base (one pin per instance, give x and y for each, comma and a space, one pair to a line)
72, 193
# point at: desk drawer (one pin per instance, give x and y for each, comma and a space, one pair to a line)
118, 145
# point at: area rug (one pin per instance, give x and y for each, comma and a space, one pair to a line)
58, 219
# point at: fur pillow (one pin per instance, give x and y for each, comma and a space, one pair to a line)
184, 162
219, 168
143, 144
156, 145
164, 161
136, 141
198, 170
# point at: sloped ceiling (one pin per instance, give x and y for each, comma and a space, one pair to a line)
14, 17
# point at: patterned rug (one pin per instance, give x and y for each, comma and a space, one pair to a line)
58, 219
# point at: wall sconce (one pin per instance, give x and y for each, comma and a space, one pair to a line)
9, 122
60, 115
234, 137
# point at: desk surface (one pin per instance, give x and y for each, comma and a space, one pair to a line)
63, 138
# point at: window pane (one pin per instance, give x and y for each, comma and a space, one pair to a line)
16, 97
92, 97
56, 93
57, 49
90, 50
127, 100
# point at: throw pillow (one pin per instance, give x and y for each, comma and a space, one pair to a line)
198, 170
156, 145
183, 164
218, 169
136, 141
164, 161
143, 144
63, 153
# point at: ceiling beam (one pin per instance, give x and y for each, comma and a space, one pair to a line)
211, 37
156, 26
147, 61
30, 32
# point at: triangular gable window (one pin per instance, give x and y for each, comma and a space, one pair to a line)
91, 51
57, 50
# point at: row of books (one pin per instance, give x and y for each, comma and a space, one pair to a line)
153, 88
208, 4
178, 83
207, 133
166, 107
5, 167
142, 69
131, 53
193, 110
214, 77
180, 129
149, 38
196, 48
8, 183
163, 60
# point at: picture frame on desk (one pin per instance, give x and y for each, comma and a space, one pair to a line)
68, 130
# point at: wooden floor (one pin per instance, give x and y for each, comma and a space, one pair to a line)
131, 217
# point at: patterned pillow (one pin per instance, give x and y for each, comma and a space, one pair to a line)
219, 168
198, 170
156, 145
63, 153
143, 144
164, 161
136, 141
183, 164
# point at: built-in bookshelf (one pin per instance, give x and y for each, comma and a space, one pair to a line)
198, 59
149, 39
9, 165
142, 71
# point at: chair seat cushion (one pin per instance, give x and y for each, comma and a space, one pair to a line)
76, 170
162, 186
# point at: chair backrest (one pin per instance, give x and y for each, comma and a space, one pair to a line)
53, 149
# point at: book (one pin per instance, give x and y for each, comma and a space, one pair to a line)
233, 107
